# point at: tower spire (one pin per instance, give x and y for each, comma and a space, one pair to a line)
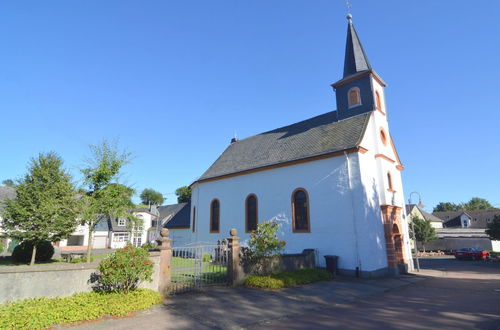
355, 57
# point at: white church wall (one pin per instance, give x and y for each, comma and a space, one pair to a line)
374, 173
332, 205
180, 237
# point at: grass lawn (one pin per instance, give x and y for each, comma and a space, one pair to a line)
186, 272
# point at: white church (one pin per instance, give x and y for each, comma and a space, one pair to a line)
332, 181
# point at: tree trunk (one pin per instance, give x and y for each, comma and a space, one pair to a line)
89, 243
33, 255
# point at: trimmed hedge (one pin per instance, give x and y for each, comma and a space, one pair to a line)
285, 279
40, 313
22, 252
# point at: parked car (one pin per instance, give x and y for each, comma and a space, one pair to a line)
471, 253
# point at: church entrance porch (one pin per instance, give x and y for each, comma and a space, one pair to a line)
393, 237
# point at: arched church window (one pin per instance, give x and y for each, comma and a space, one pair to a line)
251, 213
215, 216
300, 211
354, 97
378, 101
389, 181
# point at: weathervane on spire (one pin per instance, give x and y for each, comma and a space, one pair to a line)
348, 6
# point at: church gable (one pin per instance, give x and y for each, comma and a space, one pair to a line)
317, 136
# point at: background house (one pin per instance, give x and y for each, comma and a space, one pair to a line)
413, 210
464, 229
113, 233
176, 218
5, 193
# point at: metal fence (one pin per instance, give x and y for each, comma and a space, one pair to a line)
197, 265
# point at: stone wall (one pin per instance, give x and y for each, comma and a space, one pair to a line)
283, 263
455, 243
21, 282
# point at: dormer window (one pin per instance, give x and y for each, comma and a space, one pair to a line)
354, 97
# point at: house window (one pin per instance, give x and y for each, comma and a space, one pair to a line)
383, 136
389, 181
121, 222
251, 213
194, 219
121, 237
137, 241
300, 211
353, 97
378, 101
215, 216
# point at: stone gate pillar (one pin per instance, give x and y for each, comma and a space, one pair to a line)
234, 269
165, 262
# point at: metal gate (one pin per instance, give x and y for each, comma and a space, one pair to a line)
197, 265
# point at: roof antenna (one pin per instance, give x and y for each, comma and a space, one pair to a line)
235, 137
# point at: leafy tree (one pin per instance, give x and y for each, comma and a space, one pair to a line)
477, 203
8, 183
493, 230
104, 195
46, 207
447, 206
424, 232
183, 194
150, 196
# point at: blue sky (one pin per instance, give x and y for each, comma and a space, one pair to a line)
173, 80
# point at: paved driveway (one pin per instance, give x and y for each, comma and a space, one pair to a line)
447, 294
456, 295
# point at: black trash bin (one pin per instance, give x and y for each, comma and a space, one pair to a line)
331, 264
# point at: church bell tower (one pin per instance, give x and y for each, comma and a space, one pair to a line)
361, 89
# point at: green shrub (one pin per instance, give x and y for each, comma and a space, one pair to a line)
22, 252
1, 247
149, 246
264, 241
207, 257
124, 269
263, 282
285, 279
41, 313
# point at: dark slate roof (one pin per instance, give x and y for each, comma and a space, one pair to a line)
175, 215
430, 217
316, 136
479, 218
103, 224
355, 57
427, 216
6, 193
